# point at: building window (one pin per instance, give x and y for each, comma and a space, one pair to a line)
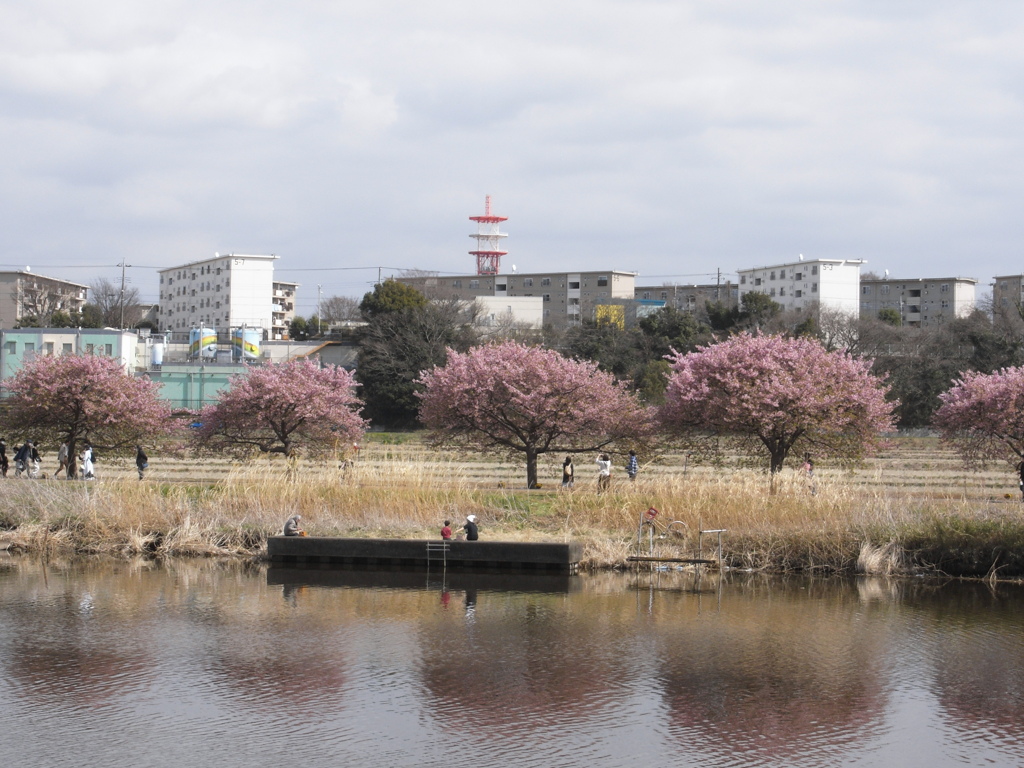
757, 281
664, 295
12, 347
773, 275
647, 295
474, 283
88, 349
944, 288
602, 281
799, 294
501, 287
743, 279
782, 291
456, 283
545, 281
945, 304
67, 349
782, 274
814, 269
574, 286
30, 346
108, 349
772, 292
885, 289
527, 282
865, 289
547, 297
798, 276
814, 287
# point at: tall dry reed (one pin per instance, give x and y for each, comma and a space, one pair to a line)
841, 526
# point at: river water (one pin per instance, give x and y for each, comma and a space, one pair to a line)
203, 663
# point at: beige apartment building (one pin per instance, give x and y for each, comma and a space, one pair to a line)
26, 294
920, 302
1008, 293
568, 298
690, 298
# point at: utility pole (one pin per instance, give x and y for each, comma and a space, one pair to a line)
319, 293
123, 265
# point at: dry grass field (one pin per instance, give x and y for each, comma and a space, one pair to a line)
911, 508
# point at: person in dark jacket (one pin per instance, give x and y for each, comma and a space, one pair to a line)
22, 457
141, 461
472, 532
4, 462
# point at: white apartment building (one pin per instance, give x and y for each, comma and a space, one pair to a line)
920, 302
228, 291
568, 298
807, 285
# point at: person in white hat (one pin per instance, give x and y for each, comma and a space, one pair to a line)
472, 532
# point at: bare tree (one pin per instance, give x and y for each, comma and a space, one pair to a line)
106, 296
40, 299
340, 309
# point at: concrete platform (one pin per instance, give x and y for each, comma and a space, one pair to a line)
465, 555
418, 579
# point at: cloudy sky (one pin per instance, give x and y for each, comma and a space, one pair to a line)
668, 138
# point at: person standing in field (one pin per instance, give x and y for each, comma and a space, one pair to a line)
632, 465
446, 531
604, 472
62, 460
35, 460
88, 470
568, 473
141, 461
809, 473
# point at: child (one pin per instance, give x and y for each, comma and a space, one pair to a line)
446, 532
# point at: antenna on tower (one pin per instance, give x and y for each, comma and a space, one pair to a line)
488, 239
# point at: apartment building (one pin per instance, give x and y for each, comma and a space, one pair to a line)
228, 291
1007, 293
689, 298
25, 294
920, 302
807, 285
568, 298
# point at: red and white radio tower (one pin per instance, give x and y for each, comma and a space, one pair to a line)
488, 239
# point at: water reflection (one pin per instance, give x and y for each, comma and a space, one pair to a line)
404, 669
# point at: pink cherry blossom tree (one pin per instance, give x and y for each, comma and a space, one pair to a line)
982, 416
509, 397
75, 398
288, 408
777, 395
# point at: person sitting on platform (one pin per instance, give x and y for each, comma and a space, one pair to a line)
291, 526
472, 532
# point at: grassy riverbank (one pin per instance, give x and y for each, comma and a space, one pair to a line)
846, 526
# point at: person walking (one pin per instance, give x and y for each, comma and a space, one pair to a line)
4, 462
88, 470
568, 473
34, 460
604, 472
141, 461
62, 460
632, 465
21, 457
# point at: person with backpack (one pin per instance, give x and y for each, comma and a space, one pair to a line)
141, 461
22, 456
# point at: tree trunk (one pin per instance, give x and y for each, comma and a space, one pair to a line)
777, 460
531, 469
